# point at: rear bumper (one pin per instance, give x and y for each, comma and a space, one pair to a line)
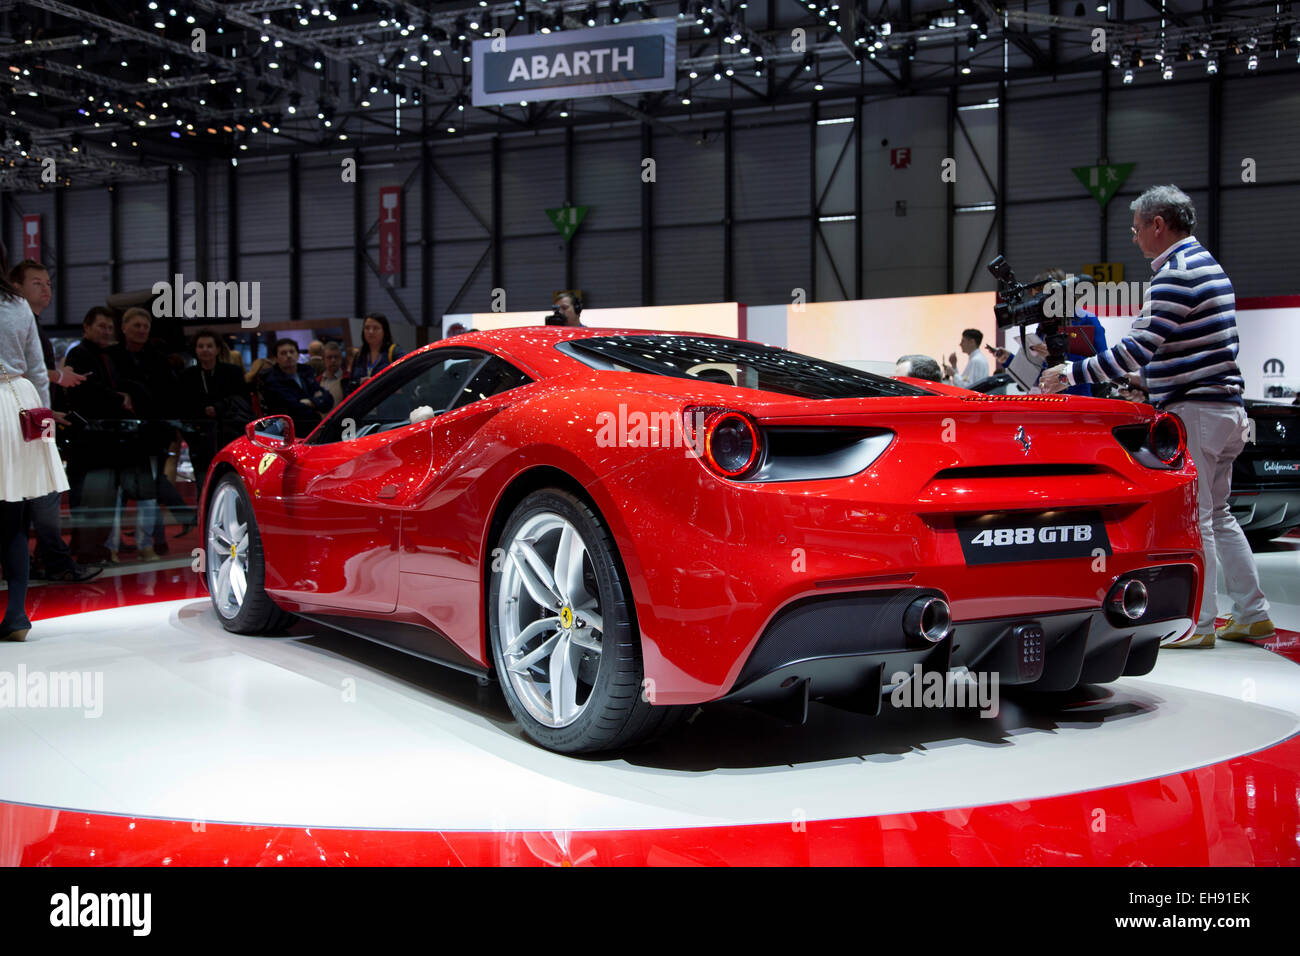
845, 649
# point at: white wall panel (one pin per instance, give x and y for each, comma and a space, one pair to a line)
1060, 233
470, 176
835, 186
607, 177
327, 283
271, 271
86, 220
688, 265
453, 267
263, 197
533, 268
1261, 121
532, 181
1259, 244
325, 207
142, 223
608, 268
86, 285
1163, 130
689, 186
1046, 139
218, 222
770, 259
977, 158
771, 171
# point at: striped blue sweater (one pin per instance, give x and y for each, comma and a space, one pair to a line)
1184, 340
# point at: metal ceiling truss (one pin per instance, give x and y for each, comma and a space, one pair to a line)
921, 49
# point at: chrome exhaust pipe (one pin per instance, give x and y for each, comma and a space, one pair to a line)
929, 618
1128, 599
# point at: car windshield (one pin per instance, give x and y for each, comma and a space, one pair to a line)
732, 362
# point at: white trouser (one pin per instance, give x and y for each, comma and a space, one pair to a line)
1216, 434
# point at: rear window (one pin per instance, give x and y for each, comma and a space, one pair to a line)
731, 362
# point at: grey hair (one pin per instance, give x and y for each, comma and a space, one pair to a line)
1169, 203
333, 347
922, 366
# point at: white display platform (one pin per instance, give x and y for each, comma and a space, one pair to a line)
323, 729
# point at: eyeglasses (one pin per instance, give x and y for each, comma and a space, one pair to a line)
1136, 229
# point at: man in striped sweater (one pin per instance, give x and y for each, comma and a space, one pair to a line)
1184, 342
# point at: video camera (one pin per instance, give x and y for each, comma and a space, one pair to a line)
1020, 306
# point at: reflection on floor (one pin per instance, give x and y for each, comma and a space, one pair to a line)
318, 748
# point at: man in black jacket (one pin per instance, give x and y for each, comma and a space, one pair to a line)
96, 454
291, 389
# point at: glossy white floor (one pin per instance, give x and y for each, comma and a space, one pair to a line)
324, 730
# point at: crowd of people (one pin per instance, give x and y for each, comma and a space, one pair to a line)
127, 410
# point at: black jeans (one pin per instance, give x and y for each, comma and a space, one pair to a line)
13, 557
51, 549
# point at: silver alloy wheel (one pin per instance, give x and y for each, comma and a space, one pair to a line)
227, 557
550, 624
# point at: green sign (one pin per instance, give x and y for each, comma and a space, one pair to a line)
1103, 181
567, 219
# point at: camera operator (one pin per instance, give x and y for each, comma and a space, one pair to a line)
567, 310
1185, 343
1081, 317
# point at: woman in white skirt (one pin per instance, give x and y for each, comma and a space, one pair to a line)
27, 469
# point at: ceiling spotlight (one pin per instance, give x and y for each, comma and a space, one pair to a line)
1128, 77
1168, 72
965, 67
1253, 63
1252, 41
1211, 66
1205, 48
1116, 58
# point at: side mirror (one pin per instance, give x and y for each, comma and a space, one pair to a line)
274, 432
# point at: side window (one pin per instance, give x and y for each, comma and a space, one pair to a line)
495, 377
433, 380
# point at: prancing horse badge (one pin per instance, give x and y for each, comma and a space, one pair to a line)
1023, 438
269, 458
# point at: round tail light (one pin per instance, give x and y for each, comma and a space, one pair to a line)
1168, 438
731, 444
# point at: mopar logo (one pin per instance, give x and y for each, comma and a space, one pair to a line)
1274, 366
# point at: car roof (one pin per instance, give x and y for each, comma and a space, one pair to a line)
533, 347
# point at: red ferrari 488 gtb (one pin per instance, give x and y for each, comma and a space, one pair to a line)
619, 524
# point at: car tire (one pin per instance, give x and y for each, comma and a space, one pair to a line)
230, 552
605, 685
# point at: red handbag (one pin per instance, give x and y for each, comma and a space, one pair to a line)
33, 421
